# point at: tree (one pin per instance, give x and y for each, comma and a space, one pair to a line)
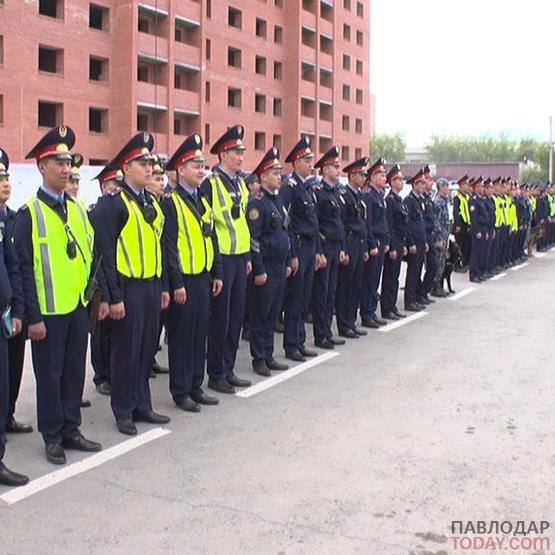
389, 146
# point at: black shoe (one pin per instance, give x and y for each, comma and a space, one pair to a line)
15, 427
399, 314
127, 427
80, 443
307, 352
259, 367
152, 374
391, 316
295, 355
200, 397
10, 478
221, 386
425, 301
370, 324
379, 321
85, 404
55, 453
273, 364
324, 344
360, 331
104, 388
279, 328
188, 404
438, 293
336, 341
349, 334
157, 369
150, 417
236, 381
413, 307
475, 280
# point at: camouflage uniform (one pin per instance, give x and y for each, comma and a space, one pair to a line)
442, 229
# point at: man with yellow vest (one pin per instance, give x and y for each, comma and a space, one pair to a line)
194, 269
130, 242
461, 220
54, 241
227, 194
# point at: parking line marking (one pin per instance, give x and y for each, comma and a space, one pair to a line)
519, 267
407, 320
498, 276
70, 470
462, 294
285, 375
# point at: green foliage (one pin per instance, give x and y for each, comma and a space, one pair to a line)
486, 149
391, 147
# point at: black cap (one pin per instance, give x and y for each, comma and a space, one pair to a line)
57, 142
190, 149
270, 161
357, 166
300, 150
4, 163
426, 169
110, 171
376, 166
232, 139
76, 163
418, 176
395, 170
157, 164
330, 157
462, 179
137, 148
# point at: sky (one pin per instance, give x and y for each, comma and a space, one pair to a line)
463, 67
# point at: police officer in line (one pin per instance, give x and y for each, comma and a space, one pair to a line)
490, 242
54, 241
270, 250
378, 245
416, 240
461, 221
500, 225
479, 222
426, 283
109, 178
195, 275
156, 187
228, 195
329, 203
299, 201
130, 243
16, 344
442, 230
253, 184
11, 299
74, 180
350, 275
397, 220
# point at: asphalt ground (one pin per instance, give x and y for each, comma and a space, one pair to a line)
376, 450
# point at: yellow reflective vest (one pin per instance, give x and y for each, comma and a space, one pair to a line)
232, 232
499, 210
139, 250
194, 236
60, 281
464, 207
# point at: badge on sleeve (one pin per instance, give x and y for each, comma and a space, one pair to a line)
254, 214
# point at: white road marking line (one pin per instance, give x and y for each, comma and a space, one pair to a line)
498, 276
519, 267
407, 320
540, 254
70, 470
286, 375
462, 293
